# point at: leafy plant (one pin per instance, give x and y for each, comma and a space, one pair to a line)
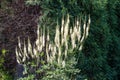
4, 75
54, 59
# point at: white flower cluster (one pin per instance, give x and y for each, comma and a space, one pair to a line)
67, 37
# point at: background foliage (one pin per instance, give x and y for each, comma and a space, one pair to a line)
100, 58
